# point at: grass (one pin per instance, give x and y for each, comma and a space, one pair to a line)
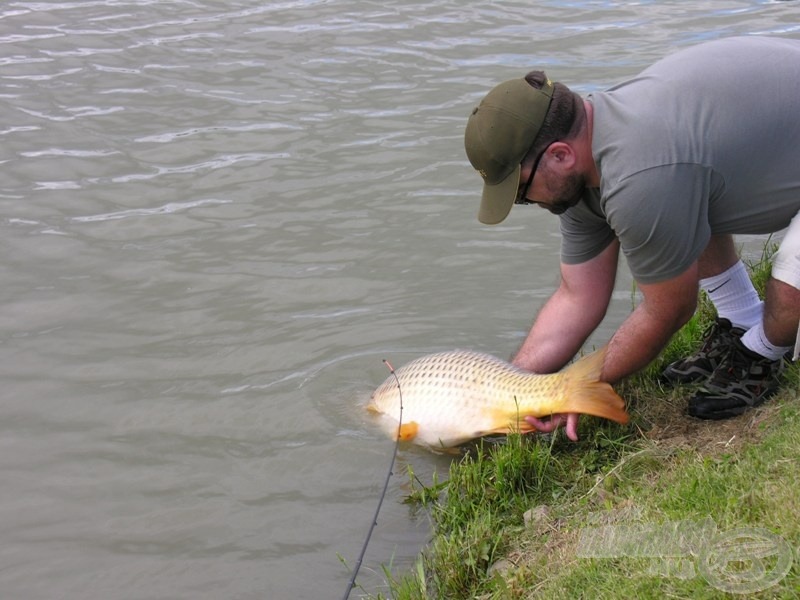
667, 506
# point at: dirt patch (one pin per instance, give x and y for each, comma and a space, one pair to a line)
667, 425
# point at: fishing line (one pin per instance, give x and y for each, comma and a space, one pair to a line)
352, 583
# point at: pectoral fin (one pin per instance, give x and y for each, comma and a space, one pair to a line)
504, 423
408, 431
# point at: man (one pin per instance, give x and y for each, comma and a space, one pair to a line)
665, 167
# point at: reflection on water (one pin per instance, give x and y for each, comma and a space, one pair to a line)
217, 219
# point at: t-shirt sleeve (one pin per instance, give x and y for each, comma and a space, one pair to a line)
660, 217
584, 230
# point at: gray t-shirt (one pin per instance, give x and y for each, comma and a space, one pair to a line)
705, 141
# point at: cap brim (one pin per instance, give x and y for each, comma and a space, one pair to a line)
498, 199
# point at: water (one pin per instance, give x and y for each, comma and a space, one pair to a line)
217, 219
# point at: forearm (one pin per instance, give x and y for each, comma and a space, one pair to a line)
637, 342
664, 309
558, 333
571, 314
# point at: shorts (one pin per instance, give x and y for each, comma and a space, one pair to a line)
786, 262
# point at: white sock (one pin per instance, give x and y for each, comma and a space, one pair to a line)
796, 354
756, 340
734, 296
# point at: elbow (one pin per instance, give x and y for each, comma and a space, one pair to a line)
683, 312
670, 314
597, 314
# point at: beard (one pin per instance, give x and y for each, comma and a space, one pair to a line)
567, 192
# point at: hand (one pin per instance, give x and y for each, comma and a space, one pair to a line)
553, 422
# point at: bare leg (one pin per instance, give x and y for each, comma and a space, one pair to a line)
781, 313
718, 256
725, 279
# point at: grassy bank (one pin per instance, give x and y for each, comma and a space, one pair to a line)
667, 506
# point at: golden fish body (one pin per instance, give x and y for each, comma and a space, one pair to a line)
451, 397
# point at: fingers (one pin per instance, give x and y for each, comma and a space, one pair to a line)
572, 426
546, 426
552, 423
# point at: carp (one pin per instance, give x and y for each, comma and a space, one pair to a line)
449, 398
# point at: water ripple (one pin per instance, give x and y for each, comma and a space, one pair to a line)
220, 162
172, 207
77, 112
163, 138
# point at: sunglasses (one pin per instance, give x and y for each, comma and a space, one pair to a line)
522, 195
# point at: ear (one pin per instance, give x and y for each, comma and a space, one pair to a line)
562, 155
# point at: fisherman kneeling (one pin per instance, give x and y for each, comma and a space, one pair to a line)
665, 167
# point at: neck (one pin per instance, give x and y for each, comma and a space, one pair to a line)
589, 166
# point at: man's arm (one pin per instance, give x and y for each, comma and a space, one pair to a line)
571, 314
664, 309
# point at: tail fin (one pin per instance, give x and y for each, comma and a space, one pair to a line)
585, 393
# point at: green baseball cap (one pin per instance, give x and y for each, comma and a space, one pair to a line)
500, 132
